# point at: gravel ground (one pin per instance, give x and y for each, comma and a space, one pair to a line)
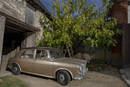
92, 79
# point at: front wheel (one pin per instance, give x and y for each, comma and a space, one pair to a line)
63, 77
15, 69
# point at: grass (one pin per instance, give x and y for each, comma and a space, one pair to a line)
11, 82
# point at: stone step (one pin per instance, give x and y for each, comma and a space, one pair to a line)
126, 75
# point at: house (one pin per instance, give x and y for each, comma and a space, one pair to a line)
19, 26
121, 11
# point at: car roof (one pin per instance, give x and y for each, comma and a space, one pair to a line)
40, 48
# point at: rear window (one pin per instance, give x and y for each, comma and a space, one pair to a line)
41, 54
28, 54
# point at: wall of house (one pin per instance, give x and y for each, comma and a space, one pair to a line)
14, 8
17, 9
38, 25
120, 11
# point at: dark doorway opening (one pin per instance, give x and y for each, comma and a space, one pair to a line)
12, 40
15, 35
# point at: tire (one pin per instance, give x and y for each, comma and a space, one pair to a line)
15, 69
63, 77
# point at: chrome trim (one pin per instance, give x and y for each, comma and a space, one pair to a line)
38, 74
83, 74
80, 68
78, 78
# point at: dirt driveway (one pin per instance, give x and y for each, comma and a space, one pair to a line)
92, 79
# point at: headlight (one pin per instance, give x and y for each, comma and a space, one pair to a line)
80, 68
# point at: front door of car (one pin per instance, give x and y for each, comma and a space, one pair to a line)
43, 65
27, 61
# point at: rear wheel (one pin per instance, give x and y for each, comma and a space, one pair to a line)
63, 77
15, 69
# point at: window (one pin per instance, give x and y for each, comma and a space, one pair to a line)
28, 54
30, 14
41, 54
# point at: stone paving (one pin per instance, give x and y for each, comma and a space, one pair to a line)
126, 75
92, 79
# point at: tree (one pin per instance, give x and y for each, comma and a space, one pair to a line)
75, 22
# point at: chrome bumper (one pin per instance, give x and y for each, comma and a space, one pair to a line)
83, 75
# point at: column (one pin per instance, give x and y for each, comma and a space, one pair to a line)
2, 28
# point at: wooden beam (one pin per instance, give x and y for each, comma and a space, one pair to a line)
17, 23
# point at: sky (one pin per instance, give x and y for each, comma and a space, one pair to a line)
47, 3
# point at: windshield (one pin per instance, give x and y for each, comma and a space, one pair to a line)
56, 53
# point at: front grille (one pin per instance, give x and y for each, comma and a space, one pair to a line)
84, 70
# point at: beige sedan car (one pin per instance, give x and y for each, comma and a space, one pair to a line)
48, 62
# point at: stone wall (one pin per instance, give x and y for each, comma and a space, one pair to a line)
14, 8
17, 9
110, 57
38, 25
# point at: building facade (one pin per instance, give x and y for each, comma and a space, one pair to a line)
121, 11
19, 26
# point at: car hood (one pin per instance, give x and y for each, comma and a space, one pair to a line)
70, 61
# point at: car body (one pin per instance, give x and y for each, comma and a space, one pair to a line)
47, 62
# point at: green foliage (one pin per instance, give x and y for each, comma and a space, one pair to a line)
76, 23
11, 82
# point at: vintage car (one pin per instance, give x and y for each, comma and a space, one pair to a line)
48, 62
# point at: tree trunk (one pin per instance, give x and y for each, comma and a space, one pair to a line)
72, 52
68, 50
105, 56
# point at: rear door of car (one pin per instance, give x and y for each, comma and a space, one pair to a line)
43, 65
27, 60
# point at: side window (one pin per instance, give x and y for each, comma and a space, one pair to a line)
41, 54
28, 54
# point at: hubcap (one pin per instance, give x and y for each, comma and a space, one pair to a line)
61, 77
15, 69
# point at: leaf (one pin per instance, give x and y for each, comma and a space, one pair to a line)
76, 23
